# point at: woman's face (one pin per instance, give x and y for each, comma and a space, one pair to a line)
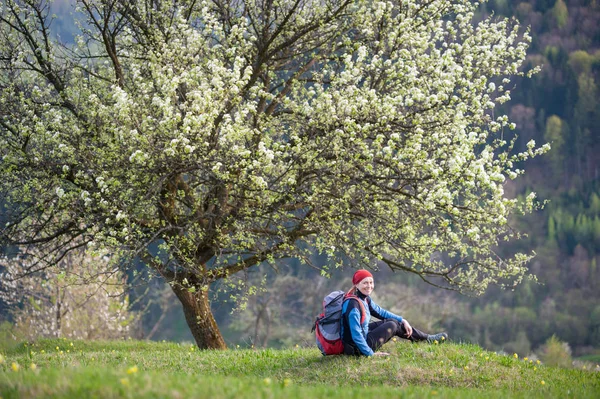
366, 286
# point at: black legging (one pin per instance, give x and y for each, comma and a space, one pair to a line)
381, 332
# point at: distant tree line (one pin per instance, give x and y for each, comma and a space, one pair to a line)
560, 105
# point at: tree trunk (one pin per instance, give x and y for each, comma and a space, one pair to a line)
199, 317
58, 308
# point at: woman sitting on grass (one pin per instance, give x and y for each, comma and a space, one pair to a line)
366, 338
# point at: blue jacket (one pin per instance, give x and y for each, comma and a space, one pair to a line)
355, 333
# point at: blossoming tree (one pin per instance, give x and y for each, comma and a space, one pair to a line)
228, 133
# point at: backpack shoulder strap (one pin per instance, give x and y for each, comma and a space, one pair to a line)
363, 312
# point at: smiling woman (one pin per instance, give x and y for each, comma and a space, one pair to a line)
366, 338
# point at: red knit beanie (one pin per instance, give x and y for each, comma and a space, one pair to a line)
360, 275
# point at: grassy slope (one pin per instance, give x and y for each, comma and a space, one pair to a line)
108, 370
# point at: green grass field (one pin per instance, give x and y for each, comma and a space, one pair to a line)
137, 369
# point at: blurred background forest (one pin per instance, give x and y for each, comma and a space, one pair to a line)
560, 105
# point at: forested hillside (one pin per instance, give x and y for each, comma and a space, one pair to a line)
559, 105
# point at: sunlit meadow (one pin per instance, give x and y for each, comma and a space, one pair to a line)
123, 369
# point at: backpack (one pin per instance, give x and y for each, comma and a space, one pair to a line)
328, 327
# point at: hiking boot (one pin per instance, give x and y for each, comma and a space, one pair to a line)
438, 338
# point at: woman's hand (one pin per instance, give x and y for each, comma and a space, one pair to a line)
407, 327
381, 354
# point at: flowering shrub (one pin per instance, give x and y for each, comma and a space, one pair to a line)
556, 353
79, 298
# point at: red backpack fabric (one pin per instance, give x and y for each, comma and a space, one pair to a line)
328, 324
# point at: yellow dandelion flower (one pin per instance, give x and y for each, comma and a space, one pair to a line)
57, 348
15, 366
443, 338
132, 370
436, 342
487, 358
267, 381
537, 362
68, 351
71, 343
543, 382
534, 368
42, 351
124, 381
394, 339
466, 367
61, 352
287, 382
530, 361
526, 358
237, 346
516, 356
33, 366
481, 355
297, 346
